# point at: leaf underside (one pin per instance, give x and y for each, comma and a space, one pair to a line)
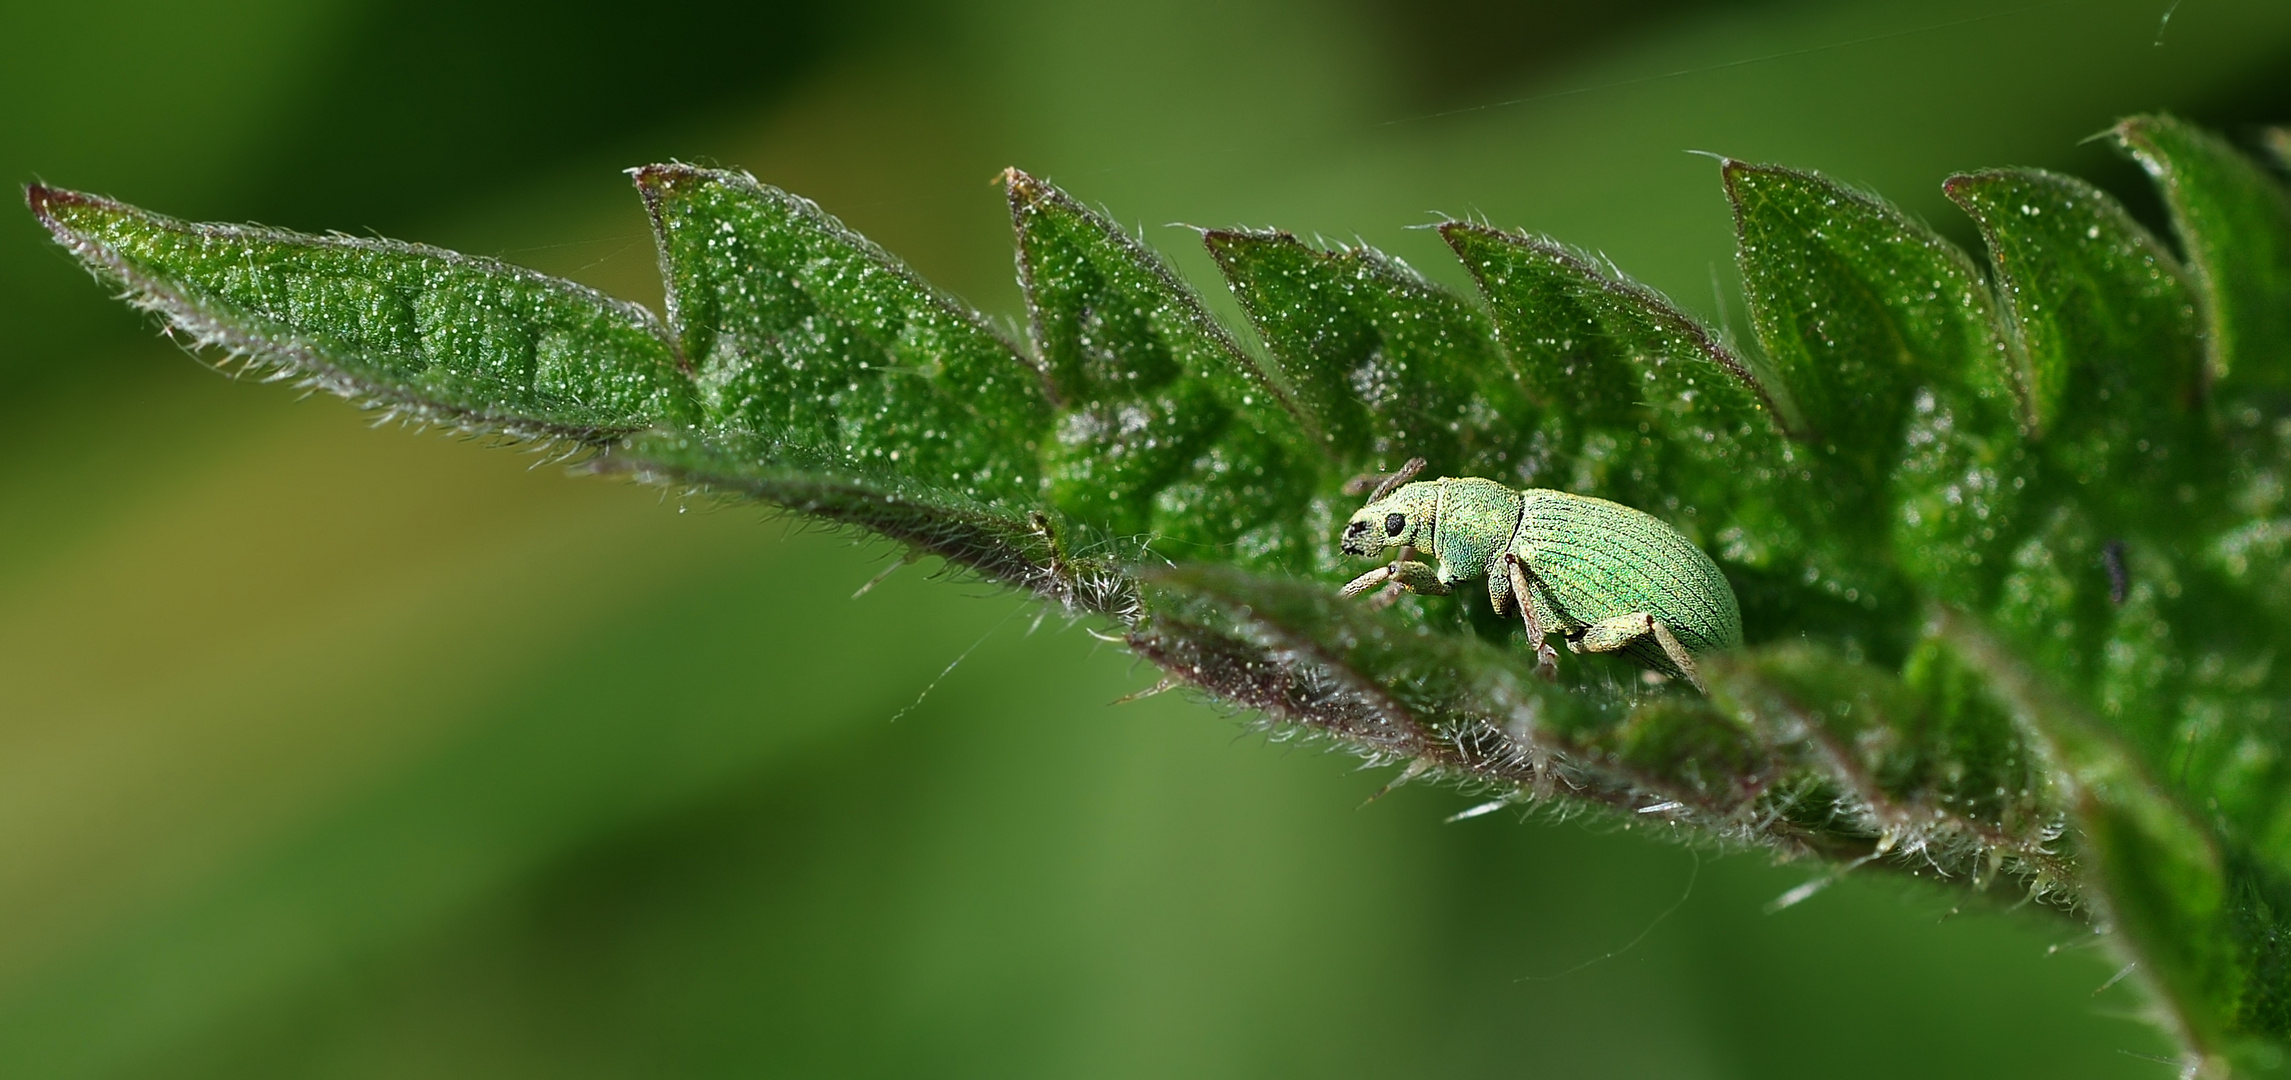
2010, 536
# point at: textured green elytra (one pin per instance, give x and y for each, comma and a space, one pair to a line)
1604, 576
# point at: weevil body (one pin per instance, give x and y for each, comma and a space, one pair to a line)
1604, 576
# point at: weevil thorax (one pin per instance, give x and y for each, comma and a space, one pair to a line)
1404, 518
1477, 519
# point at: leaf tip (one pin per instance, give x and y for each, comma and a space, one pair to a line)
2139, 126
55, 207
657, 176
1745, 182
1030, 193
1230, 245
668, 178
38, 196
1222, 241
2141, 137
1460, 234
1744, 179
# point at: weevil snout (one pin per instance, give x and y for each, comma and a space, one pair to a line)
1402, 517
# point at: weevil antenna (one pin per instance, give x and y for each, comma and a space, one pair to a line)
1408, 471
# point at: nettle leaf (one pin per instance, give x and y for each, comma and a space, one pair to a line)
1166, 431
805, 339
2105, 318
2112, 341
1856, 306
1389, 365
1931, 767
2013, 553
1602, 348
2106, 594
1646, 406
1886, 336
435, 335
1467, 709
2203, 925
2234, 222
2112, 332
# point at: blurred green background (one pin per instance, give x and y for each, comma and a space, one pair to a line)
328, 751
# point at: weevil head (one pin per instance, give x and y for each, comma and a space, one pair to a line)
1402, 518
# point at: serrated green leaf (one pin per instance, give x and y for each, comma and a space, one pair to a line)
804, 332
2104, 593
1644, 405
2204, 927
419, 331
2106, 320
1886, 335
1167, 434
1856, 306
1389, 365
2235, 223
1475, 711
1932, 767
1003, 545
2035, 454
2112, 338
1590, 340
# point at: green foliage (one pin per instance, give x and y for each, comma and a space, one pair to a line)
1388, 365
436, 335
1151, 393
807, 344
2197, 915
1924, 759
1884, 333
2232, 219
2012, 545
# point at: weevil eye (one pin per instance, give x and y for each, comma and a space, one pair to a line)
1393, 523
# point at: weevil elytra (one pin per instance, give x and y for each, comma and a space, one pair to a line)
1604, 576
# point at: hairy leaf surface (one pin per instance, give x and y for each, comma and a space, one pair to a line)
1167, 433
439, 335
2234, 222
802, 334
2013, 551
1390, 365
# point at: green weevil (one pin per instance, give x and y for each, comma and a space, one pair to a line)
1606, 577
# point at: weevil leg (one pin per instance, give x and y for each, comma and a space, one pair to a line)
1406, 574
1419, 577
1381, 575
1546, 657
1365, 582
1409, 576
1609, 635
1385, 597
